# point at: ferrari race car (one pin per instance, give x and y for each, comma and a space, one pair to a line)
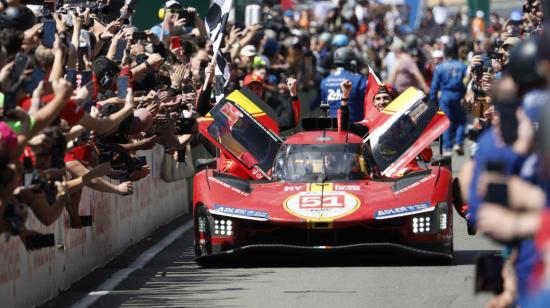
323, 190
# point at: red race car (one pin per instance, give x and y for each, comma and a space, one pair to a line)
323, 190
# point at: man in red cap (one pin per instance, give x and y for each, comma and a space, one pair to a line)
255, 83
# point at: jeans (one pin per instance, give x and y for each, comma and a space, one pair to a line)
449, 103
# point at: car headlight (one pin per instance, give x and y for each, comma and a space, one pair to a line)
431, 222
223, 227
421, 224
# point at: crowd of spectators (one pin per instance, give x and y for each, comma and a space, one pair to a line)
82, 91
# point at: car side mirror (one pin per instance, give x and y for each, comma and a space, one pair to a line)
442, 161
206, 162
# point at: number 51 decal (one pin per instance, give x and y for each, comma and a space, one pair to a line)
327, 201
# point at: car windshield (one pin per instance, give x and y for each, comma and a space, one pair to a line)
319, 162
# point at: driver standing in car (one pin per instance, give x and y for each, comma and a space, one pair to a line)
343, 122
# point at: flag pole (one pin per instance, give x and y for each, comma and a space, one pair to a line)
207, 79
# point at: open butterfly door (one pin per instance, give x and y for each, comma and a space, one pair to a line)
403, 130
242, 127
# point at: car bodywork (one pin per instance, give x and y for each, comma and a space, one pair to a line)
323, 190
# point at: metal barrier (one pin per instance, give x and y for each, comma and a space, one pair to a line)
31, 278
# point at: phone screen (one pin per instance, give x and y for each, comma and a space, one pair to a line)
48, 33
28, 169
71, 76
10, 102
122, 86
85, 77
36, 77
497, 193
509, 121
21, 62
120, 47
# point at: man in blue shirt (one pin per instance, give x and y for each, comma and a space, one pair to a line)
173, 24
448, 88
345, 62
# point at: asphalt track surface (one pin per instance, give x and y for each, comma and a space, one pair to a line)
172, 279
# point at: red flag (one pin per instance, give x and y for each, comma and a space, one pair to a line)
372, 89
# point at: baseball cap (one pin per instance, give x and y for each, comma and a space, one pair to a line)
172, 3
250, 78
249, 51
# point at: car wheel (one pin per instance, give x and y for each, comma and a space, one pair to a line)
203, 236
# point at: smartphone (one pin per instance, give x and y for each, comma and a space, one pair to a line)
489, 274
84, 39
36, 77
122, 86
40, 241
478, 71
71, 76
189, 19
139, 36
19, 66
48, 33
10, 102
85, 77
175, 42
508, 120
28, 169
497, 193
120, 47
142, 161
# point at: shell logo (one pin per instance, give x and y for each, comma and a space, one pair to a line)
314, 205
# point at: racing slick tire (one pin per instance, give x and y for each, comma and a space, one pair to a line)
202, 221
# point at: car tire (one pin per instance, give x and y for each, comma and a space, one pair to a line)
201, 216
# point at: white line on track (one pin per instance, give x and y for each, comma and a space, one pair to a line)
113, 281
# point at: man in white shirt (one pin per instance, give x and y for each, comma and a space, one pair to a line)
440, 13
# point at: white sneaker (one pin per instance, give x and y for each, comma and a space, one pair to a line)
447, 153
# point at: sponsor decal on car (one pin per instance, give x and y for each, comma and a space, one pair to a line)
322, 139
346, 187
295, 187
211, 178
429, 177
321, 203
237, 212
403, 211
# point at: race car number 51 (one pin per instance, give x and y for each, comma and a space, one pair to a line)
318, 205
327, 201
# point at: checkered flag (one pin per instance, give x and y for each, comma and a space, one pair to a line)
215, 25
